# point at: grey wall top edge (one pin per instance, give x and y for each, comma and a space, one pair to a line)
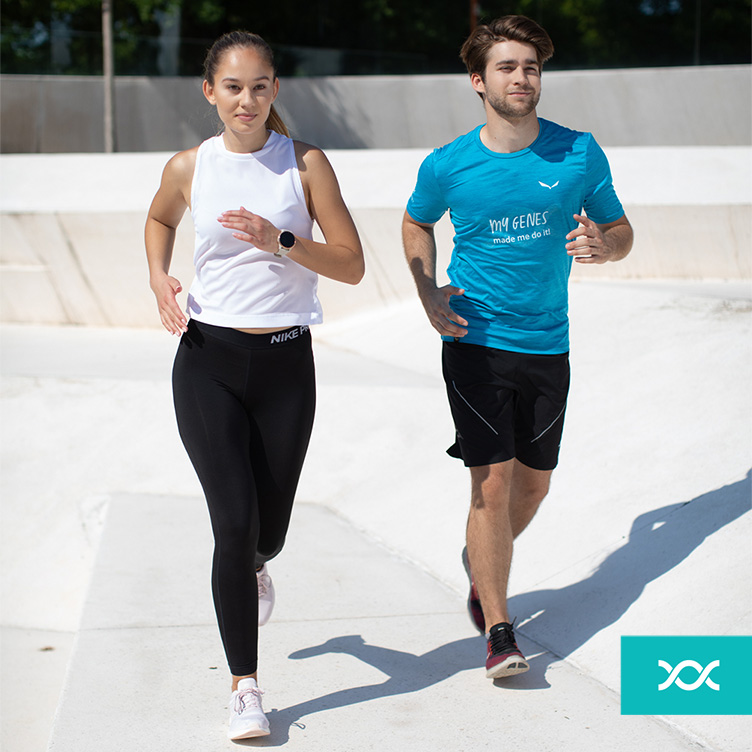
622, 107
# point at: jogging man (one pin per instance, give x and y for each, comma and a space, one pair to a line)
526, 196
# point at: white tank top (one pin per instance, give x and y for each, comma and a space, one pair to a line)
236, 284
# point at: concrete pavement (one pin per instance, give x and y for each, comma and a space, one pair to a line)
645, 531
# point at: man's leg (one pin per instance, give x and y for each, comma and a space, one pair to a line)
504, 498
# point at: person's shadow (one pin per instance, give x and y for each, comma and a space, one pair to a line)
565, 619
657, 542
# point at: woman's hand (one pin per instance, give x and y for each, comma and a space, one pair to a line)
251, 228
173, 319
165, 212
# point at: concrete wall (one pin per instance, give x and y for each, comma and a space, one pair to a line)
72, 228
633, 107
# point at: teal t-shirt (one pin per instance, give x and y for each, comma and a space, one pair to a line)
511, 214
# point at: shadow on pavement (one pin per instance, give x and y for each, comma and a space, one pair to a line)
658, 541
406, 672
565, 619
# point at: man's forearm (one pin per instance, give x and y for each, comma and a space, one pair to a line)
619, 238
420, 251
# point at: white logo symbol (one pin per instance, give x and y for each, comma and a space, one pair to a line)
704, 675
548, 186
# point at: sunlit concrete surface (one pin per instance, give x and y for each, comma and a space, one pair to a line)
645, 531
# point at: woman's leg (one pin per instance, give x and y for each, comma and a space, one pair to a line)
245, 412
208, 380
282, 401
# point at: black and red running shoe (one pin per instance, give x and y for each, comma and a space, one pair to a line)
504, 657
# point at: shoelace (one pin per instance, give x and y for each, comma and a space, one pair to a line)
263, 581
248, 698
502, 639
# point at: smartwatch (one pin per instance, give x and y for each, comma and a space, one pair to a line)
285, 243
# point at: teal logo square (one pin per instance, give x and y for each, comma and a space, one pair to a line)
703, 675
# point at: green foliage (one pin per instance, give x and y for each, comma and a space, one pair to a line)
371, 36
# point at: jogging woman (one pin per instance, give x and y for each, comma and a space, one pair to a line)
243, 378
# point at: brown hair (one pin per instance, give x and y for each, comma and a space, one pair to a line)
244, 39
474, 52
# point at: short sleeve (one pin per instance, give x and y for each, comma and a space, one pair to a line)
427, 204
601, 202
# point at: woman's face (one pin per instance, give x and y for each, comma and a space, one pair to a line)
243, 91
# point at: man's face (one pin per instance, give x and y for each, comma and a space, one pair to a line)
512, 81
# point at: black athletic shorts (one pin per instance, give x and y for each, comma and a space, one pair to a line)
505, 404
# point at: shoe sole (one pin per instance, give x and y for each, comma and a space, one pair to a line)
510, 667
250, 734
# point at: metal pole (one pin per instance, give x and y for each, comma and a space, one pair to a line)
698, 24
109, 77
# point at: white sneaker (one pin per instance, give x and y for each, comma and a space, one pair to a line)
247, 717
265, 595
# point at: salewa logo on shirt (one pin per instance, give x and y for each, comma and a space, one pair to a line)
288, 335
545, 185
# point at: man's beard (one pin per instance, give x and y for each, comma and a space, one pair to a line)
504, 107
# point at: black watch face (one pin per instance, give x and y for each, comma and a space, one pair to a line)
287, 239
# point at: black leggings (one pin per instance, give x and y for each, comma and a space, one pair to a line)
245, 406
